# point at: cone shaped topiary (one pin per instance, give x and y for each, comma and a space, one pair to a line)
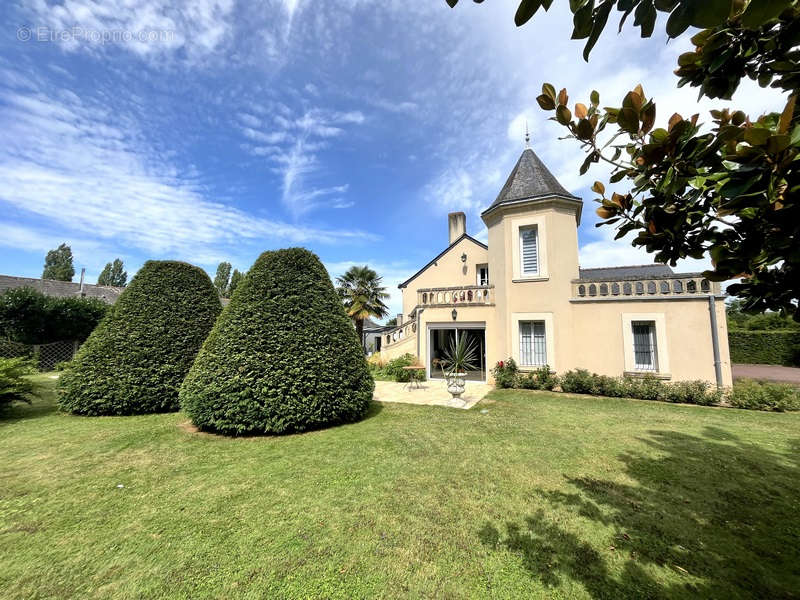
283, 356
137, 357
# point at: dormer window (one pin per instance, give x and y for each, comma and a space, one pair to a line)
529, 251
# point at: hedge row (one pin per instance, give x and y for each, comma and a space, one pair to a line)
27, 316
765, 347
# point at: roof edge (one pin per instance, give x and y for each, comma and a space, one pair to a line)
438, 256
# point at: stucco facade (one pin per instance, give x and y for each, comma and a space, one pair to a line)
523, 295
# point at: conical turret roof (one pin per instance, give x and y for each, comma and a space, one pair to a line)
530, 179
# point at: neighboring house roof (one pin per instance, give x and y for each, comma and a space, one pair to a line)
371, 326
629, 272
529, 180
440, 255
61, 289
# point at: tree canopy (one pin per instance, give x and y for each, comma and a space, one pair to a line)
362, 294
729, 191
58, 264
113, 274
222, 278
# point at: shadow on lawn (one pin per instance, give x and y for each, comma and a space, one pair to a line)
718, 512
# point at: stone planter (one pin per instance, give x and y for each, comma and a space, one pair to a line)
455, 384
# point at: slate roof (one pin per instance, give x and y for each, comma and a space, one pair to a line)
530, 179
61, 289
370, 325
628, 272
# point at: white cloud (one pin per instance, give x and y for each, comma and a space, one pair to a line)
151, 29
294, 145
86, 171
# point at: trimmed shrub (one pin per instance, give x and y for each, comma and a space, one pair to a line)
765, 347
14, 387
135, 360
394, 369
283, 356
692, 392
505, 373
539, 379
754, 395
646, 387
579, 381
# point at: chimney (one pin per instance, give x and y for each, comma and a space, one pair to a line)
456, 225
83, 273
399, 319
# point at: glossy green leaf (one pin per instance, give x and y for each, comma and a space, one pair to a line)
600, 19
759, 12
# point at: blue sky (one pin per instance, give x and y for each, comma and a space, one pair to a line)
212, 130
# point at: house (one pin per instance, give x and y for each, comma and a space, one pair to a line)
373, 335
524, 295
61, 289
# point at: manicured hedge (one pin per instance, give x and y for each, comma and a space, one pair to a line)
283, 356
28, 316
137, 357
765, 347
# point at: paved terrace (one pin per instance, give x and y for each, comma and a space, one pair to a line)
432, 393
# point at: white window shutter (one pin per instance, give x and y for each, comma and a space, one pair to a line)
529, 251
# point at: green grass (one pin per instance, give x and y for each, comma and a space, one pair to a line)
545, 496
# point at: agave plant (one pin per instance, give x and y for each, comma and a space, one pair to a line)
459, 356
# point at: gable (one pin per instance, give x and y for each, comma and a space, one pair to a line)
441, 254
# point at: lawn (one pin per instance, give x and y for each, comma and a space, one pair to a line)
543, 496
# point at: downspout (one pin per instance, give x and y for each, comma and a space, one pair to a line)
712, 308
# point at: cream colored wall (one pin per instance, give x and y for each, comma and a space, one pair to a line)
584, 334
407, 345
599, 344
448, 271
547, 293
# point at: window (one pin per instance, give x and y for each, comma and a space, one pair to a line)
644, 345
529, 251
482, 274
532, 345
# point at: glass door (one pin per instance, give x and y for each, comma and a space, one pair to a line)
440, 340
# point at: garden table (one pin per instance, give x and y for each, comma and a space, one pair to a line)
413, 370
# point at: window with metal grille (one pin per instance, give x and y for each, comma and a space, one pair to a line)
644, 346
529, 250
532, 346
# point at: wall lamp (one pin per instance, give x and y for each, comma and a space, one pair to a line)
454, 314
464, 257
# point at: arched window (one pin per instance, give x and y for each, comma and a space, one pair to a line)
665, 287
627, 289
593, 290
581, 290
615, 289
691, 286
424, 297
639, 287
651, 287
677, 286
604, 289
705, 285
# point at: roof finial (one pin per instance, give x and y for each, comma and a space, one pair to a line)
527, 135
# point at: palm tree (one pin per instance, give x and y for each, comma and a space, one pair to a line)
362, 294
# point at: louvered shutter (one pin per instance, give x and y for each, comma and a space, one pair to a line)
529, 251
